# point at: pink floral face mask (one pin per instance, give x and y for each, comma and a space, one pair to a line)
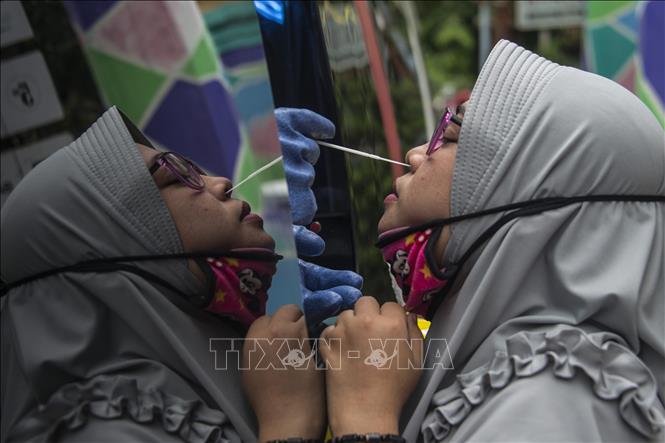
410, 271
412, 261
242, 280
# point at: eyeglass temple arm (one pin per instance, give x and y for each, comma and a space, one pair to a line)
155, 166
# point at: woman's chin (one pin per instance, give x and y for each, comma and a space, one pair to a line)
270, 244
252, 236
384, 224
264, 240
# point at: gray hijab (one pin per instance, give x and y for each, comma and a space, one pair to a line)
575, 294
106, 356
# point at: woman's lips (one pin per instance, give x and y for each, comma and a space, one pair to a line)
246, 215
390, 198
254, 219
245, 210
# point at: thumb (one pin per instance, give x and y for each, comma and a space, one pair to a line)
327, 342
416, 336
308, 243
312, 124
321, 305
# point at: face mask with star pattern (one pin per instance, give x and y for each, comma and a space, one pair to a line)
241, 281
413, 280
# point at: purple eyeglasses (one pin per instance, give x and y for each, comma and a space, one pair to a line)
183, 168
437, 138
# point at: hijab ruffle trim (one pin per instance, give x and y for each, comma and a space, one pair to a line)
119, 397
616, 373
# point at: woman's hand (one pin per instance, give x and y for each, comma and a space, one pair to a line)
282, 382
365, 394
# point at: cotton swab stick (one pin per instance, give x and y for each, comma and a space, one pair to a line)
330, 145
364, 154
257, 172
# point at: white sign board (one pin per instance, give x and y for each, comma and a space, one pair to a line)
10, 174
543, 14
16, 163
28, 98
14, 25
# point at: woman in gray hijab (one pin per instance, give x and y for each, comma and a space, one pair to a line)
119, 350
545, 272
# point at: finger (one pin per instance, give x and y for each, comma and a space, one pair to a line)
289, 313
325, 341
314, 330
318, 277
299, 174
367, 305
412, 326
311, 151
298, 151
306, 122
392, 309
321, 305
344, 316
303, 206
320, 127
328, 332
296, 129
307, 242
416, 336
301, 327
349, 294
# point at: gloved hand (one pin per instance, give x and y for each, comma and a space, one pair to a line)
297, 129
326, 292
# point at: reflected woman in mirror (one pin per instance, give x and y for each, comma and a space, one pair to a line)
122, 262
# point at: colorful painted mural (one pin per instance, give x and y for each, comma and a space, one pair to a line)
624, 41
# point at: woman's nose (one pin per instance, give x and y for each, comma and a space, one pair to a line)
218, 186
416, 156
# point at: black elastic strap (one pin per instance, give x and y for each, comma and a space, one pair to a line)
518, 205
111, 264
533, 207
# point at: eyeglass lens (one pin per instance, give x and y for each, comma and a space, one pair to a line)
185, 170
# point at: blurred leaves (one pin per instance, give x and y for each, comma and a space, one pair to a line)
448, 37
562, 46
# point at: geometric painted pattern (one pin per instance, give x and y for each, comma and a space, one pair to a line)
216, 138
652, 55
128, 85
143, 31
158, 60
624, 40
86, 18
200, 64
613, 50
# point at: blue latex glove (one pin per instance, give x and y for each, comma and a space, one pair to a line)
297, 129
326, 292
308, 243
